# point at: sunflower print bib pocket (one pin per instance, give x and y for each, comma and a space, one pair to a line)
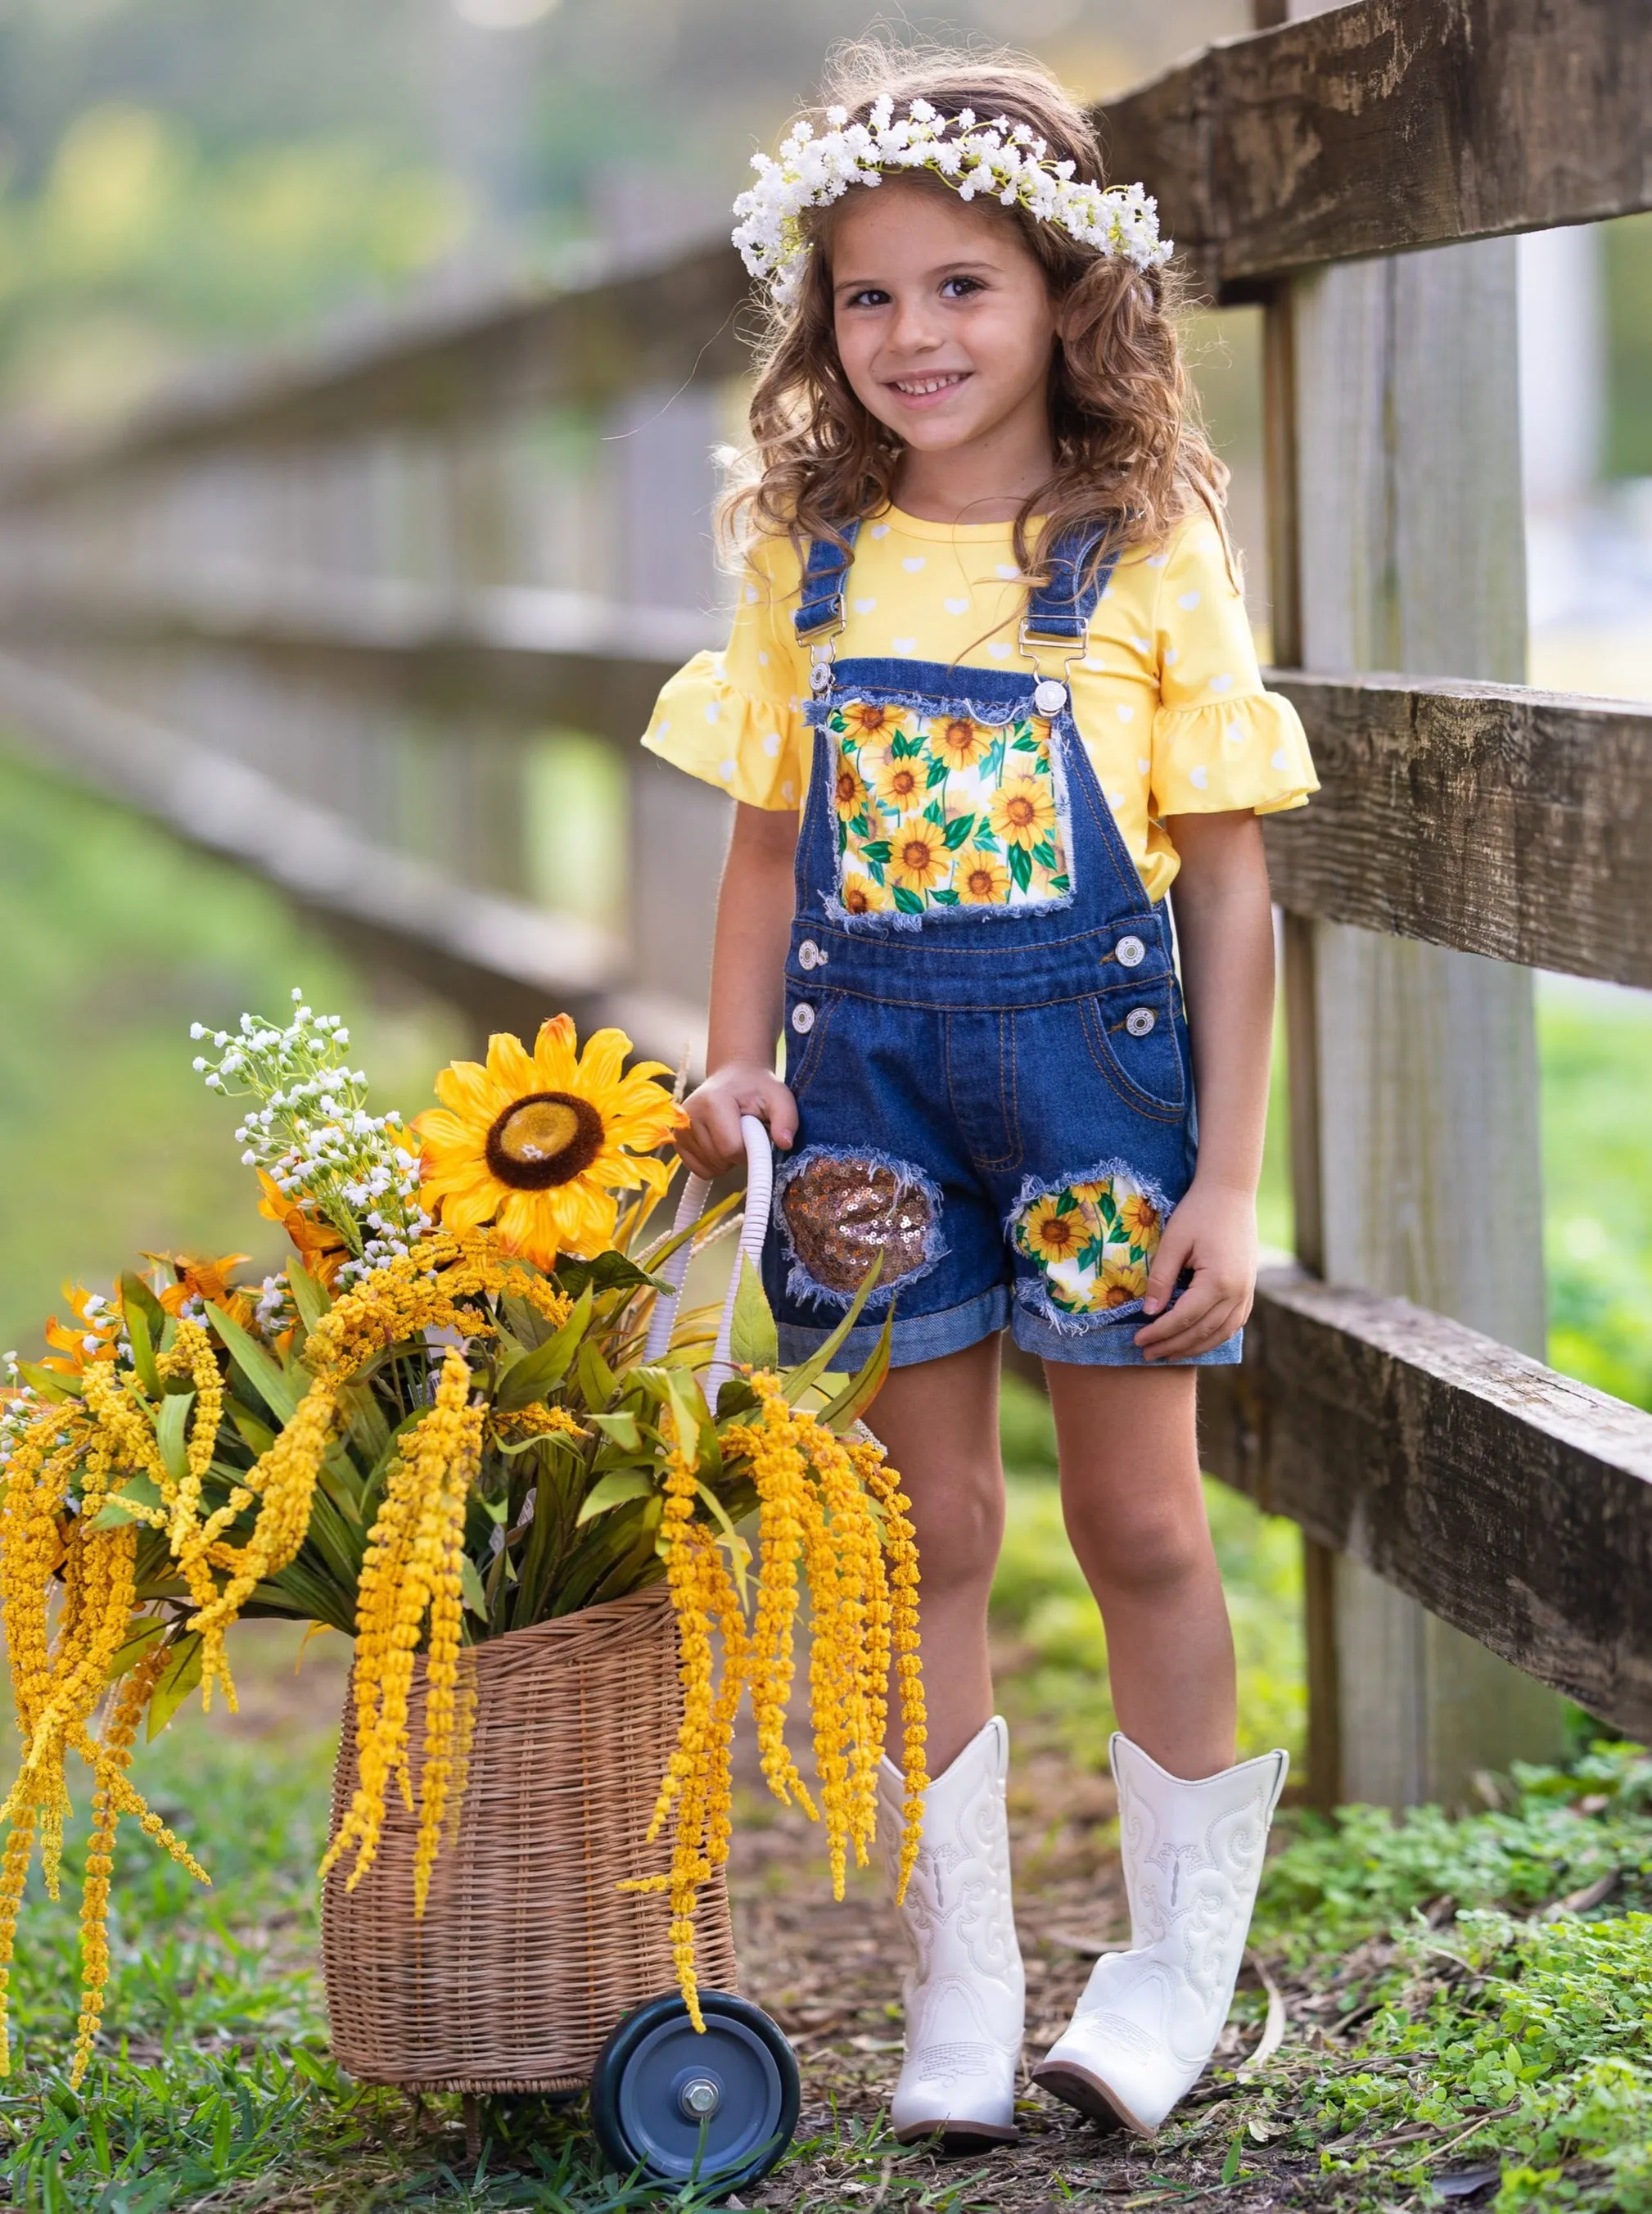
938, 810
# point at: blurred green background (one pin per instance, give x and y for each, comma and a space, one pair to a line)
181, 181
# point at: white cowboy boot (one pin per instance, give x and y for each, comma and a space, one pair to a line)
964, 1990
1149, 2019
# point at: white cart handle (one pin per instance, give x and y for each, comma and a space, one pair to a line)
754, 1227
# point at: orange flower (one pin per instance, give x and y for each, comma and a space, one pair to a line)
320, 1246
95, 1340
200, 1279
849, 793
1140, 1219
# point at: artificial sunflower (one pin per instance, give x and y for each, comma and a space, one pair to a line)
902, 781
919, 859
982, 881
1023, 810
539, 1143
958, 742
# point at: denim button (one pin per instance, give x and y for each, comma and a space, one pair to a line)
1050, 695
1138, 1022
1131, 952
803, 1019
808, 954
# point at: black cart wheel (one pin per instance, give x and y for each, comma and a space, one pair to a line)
721, 2104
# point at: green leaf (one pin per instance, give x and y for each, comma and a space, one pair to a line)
608, 1272
613, 1490
177, 1680
470, 1587
1230, 2167
943, 899
141, 1633
139, 1491
136, 1311
620, 1429
935, 813
171, 1433
858, 1394
939, 774
598, 1384
1021, 866
907, 902
957, 830
138, 1297
49, 1383
693, 1419
878, 849
1044, 854
273, 1386
796, 1381
258, 1437
756, 1341
539, 1373
309, 1296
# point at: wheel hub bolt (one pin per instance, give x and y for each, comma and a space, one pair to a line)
699, 2098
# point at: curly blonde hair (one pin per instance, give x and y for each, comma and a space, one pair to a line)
1130, 451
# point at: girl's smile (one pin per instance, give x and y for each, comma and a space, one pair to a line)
945, 329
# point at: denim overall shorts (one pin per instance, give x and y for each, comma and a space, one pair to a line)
984, 1032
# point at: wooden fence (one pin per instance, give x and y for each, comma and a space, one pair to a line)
360, 622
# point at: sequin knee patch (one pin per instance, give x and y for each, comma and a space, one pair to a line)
1092, 1238
838, 1211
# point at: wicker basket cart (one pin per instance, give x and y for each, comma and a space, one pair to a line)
530, 1970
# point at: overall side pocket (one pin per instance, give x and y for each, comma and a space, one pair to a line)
1133, 1037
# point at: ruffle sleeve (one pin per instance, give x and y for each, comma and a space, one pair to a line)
1249, 752
1220, 742
754, 748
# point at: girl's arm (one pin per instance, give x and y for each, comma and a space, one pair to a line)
754, 921
1224, 923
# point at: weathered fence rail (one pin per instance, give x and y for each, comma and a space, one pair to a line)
329, 617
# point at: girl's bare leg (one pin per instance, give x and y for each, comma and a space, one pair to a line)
939, 1420
1134, 1513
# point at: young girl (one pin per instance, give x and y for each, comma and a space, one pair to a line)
990, 693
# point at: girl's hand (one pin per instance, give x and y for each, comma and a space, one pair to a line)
1213, 1232
713, 1142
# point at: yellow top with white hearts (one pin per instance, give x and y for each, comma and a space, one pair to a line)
1167, 696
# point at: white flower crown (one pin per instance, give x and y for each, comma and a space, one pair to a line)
1005, 160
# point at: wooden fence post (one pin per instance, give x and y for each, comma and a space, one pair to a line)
1398, 542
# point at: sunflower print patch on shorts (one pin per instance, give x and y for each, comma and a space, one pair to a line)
938, 811
1092, 1242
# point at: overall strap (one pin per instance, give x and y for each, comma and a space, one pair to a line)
1058, 613
825, 572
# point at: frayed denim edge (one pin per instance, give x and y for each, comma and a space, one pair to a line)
799, 1284
1034, 1189
1032, 1291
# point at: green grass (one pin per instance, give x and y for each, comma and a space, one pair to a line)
1502, 2028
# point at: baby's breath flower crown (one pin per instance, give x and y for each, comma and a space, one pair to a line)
1001, 160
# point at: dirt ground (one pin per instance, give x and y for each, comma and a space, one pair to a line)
829, 1973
